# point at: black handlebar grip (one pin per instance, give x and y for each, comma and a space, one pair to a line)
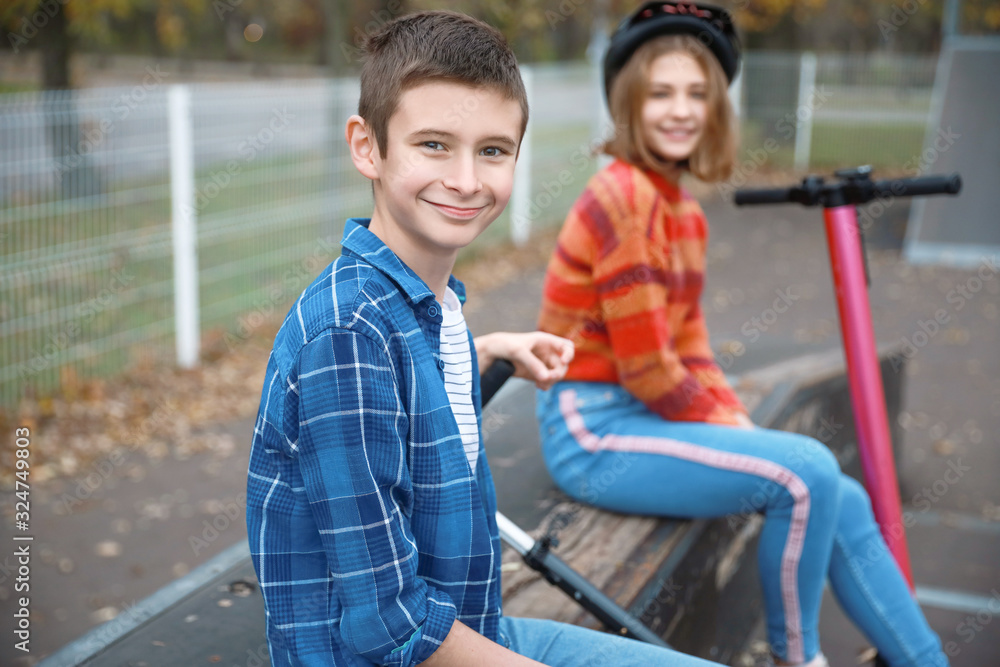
924, 185
494, 377
746, 197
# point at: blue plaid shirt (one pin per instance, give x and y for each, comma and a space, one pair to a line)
369, 532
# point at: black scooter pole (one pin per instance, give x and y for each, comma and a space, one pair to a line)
556, 571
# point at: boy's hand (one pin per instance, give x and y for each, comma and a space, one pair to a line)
537, 356
464, 647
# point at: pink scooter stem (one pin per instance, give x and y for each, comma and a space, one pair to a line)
867, 394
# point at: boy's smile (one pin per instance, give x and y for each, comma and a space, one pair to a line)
446, 175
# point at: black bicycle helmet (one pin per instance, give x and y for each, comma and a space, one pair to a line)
711, 25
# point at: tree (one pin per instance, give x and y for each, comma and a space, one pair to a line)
55, 26
859, 25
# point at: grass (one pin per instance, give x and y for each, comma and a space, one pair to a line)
247, 266
17, 87
74, 306
886, 146
836, 146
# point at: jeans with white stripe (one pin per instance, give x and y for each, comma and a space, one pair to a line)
605, 448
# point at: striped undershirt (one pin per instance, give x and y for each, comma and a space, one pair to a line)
457, 357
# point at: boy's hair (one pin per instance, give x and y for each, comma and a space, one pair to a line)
434, 46
714, 157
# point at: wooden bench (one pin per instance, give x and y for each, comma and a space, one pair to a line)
694, 582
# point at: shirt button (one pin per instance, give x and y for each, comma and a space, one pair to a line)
432, 311
441, 364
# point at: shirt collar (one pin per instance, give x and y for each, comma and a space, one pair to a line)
359, 240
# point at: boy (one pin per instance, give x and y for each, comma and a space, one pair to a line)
370, 505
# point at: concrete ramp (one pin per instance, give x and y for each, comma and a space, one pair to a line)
963, 135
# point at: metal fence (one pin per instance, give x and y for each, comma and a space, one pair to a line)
88, 225
133, 220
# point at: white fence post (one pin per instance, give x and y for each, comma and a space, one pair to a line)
736, 93
520, 200
804, 111
603, 125
183, 226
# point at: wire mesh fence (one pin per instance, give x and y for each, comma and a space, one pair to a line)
88, 283
841, 111
88, 198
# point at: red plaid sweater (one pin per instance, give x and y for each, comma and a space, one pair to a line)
624, 284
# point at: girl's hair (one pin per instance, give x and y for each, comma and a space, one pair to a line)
715, 155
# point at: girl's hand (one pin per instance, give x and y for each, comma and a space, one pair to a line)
742, 421
537, 356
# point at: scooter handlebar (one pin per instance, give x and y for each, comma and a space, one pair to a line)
499, 372
814, 191
776, 196
949, 184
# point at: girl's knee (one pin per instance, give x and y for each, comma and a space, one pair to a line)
854, 499
816, 465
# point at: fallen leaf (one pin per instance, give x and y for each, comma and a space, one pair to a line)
944, 447
108, 549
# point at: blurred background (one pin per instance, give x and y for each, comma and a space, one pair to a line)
173, 174
124, 121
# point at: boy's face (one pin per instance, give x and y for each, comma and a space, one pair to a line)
448, 169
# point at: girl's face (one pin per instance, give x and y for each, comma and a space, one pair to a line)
674, 113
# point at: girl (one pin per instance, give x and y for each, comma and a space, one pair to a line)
643, 396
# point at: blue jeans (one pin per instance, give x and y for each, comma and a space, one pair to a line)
563, 645
605, 448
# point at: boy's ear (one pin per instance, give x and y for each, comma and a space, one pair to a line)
364, 149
